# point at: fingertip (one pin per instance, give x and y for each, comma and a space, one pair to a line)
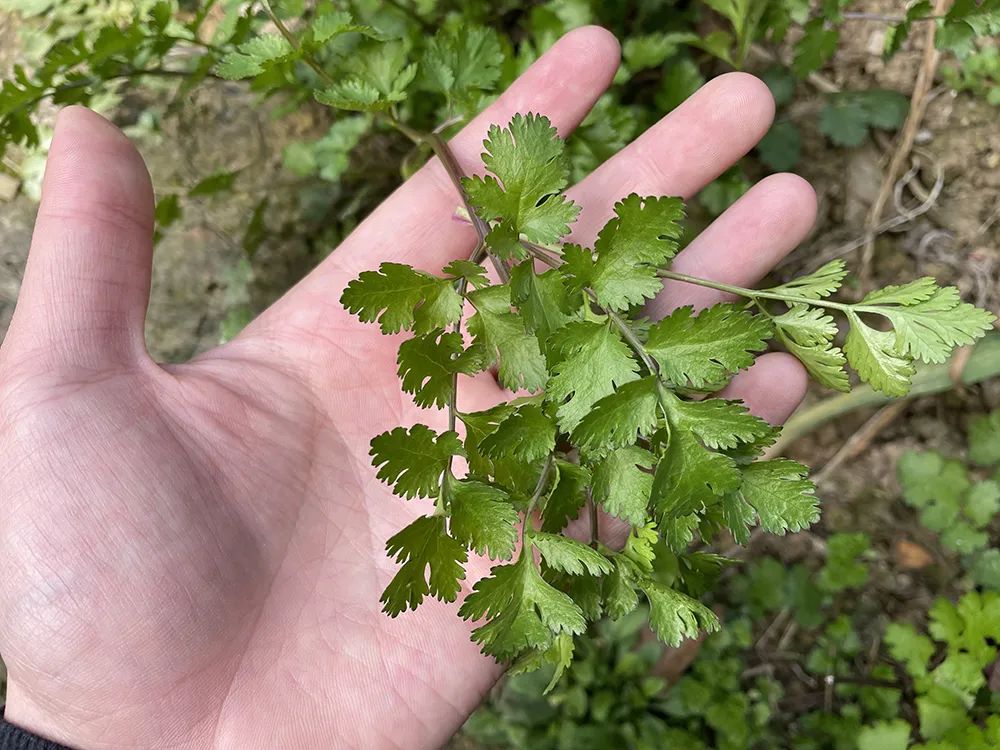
782, 204
579, 66
741, 97
95, 172
77, 125
772, 388
595, 42
798, 194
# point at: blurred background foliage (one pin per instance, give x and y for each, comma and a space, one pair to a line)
272, 130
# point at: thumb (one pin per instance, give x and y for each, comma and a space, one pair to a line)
86, 284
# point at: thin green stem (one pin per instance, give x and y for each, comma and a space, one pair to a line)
630, 338
757, 294
543, 480
455, 173
82, 83
294, 42
595, 521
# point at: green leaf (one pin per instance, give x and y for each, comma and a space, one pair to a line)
330, 155
885, 109
254, 56
781, 148
985, 569
651, 50
352, 94
619, 593
615, 420
819, 284
739, 516
567, 496
401, 298
327, 26
592, 361
939, 712
961, 673
843, 569
542, 299
462, 63
885, 735
912, 649
982, 502
927, 479
897, 34
844, 121
216, 183
718, 423
781, 494
523, 611
970, 625
527, 435
432, 565
781, 82
962, 538
474, 273
807, 333
706, 349
641, 237
674, 616
930, 321
569, 556
168, 211
479, 425
428, 363
639, 548
623, 482
984, 439
724, 191
877, 358
688, 477
502, 334
528, 169
377, 77
848, 115
816, 46
412, 462
482, 518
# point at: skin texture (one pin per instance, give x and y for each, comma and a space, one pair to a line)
193, 554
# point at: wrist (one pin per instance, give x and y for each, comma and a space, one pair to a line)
22, 713
25, 728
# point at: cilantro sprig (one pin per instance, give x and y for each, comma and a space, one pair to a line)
614, 413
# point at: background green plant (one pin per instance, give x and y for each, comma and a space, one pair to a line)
90, 51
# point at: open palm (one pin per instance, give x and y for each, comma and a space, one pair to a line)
194, 554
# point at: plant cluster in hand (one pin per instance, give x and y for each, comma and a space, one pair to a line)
617, 414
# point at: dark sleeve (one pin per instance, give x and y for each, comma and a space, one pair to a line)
15, 738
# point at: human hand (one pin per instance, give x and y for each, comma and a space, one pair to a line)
194, 554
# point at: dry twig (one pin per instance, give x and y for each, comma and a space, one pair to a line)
918, 105
861, 439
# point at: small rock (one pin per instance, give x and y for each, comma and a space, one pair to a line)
924, 135
8, 187
910, 555
876, 43
992, 160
